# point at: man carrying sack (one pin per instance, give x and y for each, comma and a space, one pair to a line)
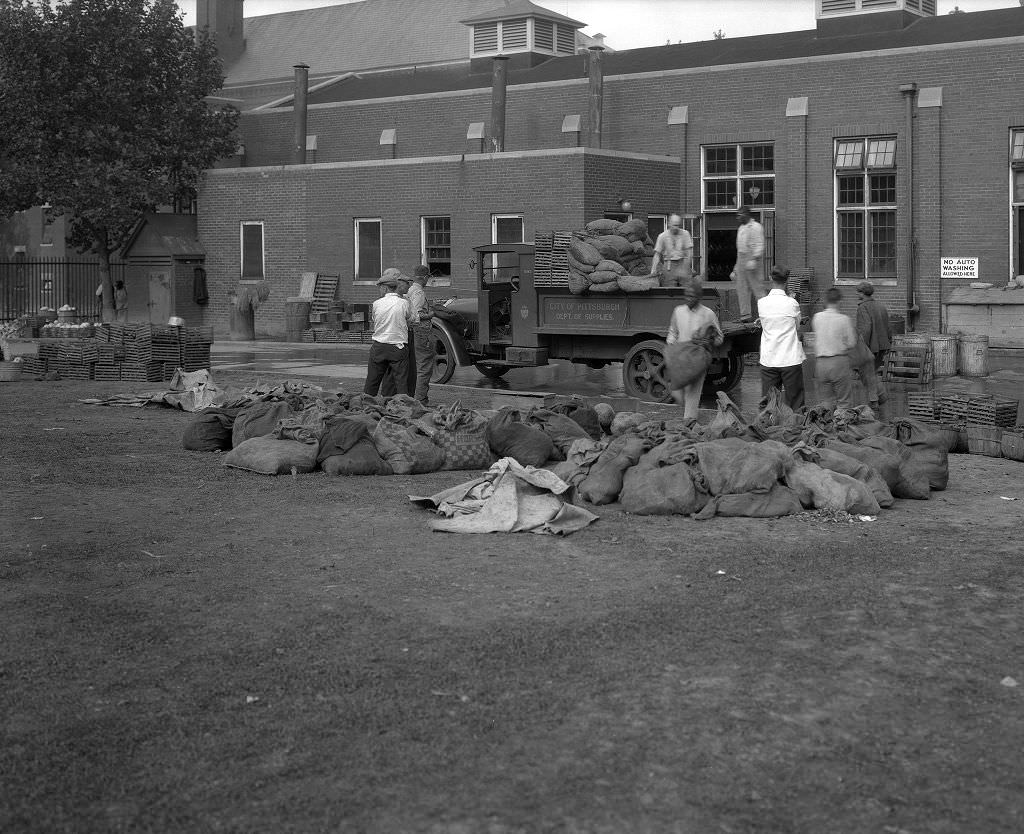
693, 331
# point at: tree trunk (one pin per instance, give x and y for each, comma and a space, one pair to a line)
103, 251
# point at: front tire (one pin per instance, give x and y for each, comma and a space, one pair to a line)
444, 357
644, 374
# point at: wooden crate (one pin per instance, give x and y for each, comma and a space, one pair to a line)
922, 405
909, 364
991, 410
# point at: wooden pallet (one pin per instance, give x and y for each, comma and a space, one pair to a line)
909, 364
323, 293
991, 410
922, 405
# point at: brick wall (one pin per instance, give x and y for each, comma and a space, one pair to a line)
961, 192
308, 213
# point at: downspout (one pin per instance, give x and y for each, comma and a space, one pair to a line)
909, 92
301, 108
499, 82
596, 74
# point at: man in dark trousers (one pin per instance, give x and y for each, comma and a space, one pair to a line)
389, 349
782, 355
874, 328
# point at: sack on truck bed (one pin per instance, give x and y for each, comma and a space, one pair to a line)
601, 276
633, 230
583, 252
610, 266
612, 247
603, 226
608, 286
579, 266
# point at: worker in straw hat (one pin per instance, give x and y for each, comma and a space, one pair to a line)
389, 347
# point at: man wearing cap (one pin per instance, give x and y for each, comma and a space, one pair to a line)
673, 254
422, 336
782, 355
389, 348
834, 338
691, 321
749, 261
874, 328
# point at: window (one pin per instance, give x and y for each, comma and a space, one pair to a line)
656, 224
1017, 148
736, 175
251, 243
865, 205
436, 235
367, 248
505, 228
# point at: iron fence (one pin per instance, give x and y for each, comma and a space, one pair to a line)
25, 286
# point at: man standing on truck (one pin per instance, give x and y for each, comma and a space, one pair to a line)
693, 322
782, 355
749, 261
673, 254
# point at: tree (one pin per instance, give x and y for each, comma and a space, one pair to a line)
107, 101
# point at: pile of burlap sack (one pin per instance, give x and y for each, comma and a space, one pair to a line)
776, 463
608, 255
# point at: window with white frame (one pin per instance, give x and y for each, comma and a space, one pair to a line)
436, 235
1017, 200
251, 248
367, 248
865, 201
737, 175
505, 228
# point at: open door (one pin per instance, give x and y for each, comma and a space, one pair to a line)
161, 301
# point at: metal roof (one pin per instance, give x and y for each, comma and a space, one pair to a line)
924, 32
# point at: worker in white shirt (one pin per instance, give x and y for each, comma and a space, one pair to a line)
782, 355
389, 348
673, 254
749, 261
834, 337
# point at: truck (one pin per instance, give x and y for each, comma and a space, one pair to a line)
515, 323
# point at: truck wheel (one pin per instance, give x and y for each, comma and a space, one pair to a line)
444, 357
491, 371
724, 374
644, 375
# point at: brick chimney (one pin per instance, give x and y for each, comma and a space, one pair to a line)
223, 18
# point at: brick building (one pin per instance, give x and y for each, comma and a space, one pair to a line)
876, 144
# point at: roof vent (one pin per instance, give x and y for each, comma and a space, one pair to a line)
857, 17
522, 28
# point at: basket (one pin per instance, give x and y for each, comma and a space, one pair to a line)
985, 440
1012, 444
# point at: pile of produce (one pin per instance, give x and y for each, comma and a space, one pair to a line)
778, 463
609, 256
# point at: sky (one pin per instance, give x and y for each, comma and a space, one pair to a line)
629, 24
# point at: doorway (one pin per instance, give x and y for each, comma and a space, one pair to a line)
160, 297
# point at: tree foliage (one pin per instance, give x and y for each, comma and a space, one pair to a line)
104, 113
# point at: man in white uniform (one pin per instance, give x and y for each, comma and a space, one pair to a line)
782, 355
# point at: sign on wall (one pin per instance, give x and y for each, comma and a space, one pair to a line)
959, 268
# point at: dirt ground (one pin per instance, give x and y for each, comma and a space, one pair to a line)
194, 648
